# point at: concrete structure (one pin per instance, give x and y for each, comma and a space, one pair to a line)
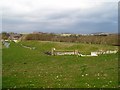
6, 44
76, 52
104, 52
93, 54
65, 52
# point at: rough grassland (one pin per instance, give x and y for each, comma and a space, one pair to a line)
25, 68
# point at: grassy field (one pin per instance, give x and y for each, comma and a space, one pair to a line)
25, 68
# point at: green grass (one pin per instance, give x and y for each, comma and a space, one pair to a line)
27, 68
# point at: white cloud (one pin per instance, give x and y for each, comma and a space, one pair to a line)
54, 14
23, 7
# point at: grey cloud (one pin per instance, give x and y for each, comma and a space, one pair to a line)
103, 18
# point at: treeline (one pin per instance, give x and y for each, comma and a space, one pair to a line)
89, 39
4, 35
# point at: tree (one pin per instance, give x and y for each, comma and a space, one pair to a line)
5, 35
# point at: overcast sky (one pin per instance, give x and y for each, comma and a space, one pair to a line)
59, 16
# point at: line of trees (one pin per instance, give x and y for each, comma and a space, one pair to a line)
109, 39
5, 35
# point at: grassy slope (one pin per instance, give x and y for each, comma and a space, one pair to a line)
83, 48
32, 68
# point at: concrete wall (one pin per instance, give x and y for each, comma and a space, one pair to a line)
55, 52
